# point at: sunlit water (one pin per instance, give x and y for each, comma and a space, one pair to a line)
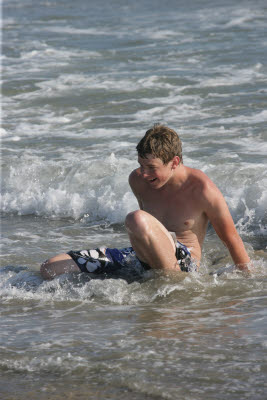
82, 82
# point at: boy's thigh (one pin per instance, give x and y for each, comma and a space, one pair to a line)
144, 225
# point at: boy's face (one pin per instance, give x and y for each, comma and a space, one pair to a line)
154, 172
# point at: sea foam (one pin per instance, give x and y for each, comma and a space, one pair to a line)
48, 188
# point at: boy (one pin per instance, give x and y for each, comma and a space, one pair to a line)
176, 202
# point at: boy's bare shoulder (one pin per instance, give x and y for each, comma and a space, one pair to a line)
135, 178
135, 173
204, 187
198, 177
137, 185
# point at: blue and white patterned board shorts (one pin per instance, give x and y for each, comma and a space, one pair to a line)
107, 260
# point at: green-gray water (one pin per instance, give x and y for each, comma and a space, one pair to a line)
82, 82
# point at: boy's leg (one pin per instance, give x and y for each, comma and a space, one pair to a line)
58, 265
151, 241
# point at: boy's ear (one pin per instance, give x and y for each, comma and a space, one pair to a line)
175, 162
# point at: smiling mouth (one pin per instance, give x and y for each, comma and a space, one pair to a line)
152, 180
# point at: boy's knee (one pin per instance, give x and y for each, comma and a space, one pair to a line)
58, 265
46, 270
137, 222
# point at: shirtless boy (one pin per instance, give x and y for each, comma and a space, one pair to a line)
176, 202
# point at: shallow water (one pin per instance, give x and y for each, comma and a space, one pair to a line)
81, 85
195, 336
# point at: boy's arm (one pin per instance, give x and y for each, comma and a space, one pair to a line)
221, 219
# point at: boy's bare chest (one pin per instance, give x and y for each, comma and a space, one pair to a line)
176, 214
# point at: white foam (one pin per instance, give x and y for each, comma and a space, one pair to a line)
231, 76
244, 17
37, 59
51, 54
79, 31
172, 98
177, 113
160, 34
56, 188
21, 284
255, 118
64, 84
64, 363
47, 188
3, 132
235, 17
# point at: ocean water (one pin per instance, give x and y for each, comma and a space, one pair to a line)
81, 83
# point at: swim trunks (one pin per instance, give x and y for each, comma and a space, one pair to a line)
107, 260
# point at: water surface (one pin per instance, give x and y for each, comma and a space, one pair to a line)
82, 82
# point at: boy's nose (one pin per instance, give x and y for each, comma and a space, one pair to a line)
145, 174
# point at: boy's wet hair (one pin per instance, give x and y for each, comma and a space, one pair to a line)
161, 142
